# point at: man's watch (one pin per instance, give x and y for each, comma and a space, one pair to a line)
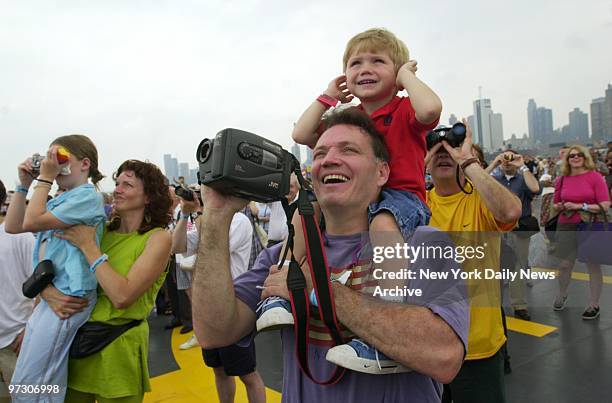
524, 169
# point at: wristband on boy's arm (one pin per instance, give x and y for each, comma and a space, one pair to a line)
327, 101
98, 262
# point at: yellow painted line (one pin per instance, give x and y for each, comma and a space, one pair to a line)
194, 382
528, 327
576, 275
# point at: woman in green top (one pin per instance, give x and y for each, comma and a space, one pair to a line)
130, 268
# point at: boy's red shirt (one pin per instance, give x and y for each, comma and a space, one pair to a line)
405, 139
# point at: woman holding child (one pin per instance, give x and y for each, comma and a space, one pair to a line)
130, 266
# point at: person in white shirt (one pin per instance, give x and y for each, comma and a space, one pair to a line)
15, 309
277, 231
237, 359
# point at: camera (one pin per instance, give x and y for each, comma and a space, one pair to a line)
454, 135
36, 160
508, 157
245, 165
183, 193
63, 156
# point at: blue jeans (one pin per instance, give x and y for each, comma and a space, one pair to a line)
43, 359
408, 210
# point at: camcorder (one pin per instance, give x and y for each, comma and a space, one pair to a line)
245, 165
454, 135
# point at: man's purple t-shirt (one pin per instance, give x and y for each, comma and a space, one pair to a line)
446, 298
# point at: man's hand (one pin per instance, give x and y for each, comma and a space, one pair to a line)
463, 153
431, 153
276, 283
518, 161
16, 344
188, 207
407, 71
214, 200
337, 89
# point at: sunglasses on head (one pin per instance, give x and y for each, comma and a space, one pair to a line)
575, 155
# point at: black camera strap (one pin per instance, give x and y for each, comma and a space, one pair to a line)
296, 283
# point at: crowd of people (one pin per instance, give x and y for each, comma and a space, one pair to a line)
99, 264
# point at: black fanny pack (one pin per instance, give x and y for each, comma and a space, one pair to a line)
94, 336
43, 276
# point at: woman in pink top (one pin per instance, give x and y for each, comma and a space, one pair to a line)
580, 188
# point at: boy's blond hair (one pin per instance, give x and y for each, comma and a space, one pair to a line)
377, 40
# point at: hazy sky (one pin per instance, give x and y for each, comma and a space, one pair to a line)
144, 78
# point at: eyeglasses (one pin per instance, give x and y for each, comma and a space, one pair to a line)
575, 155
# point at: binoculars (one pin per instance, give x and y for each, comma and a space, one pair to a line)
454, 135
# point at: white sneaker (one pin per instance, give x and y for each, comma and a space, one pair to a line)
192, 342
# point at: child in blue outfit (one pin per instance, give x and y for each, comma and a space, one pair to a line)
376, 67
43, 359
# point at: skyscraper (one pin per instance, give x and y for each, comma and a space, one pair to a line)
543, 126
578, 125
295, 150
170, 167
497, 132
453, 119
531, 112
488, 126
601, 116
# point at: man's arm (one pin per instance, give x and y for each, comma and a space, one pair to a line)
219, 318
179, 234
503, 204
427, 105
412, 335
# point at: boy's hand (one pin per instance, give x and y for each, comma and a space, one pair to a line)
409, 68
337, 89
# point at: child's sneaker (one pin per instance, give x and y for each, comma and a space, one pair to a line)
359, 356
273, 313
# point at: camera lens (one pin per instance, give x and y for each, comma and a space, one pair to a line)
204, 150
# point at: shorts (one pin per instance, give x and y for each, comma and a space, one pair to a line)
235, 360
408, 210
183, 278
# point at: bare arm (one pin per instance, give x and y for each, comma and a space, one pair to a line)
503, 204
179, 235
427, 105
124, 291
531, 182
219, 318
413, 336
304, 131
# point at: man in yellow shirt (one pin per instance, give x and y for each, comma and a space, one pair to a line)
471, 205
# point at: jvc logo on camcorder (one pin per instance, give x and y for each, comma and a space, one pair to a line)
273, 184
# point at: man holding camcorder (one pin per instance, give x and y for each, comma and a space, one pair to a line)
430, 338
